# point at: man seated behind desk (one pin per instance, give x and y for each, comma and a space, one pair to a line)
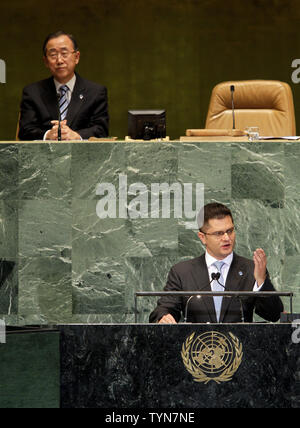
236, 274
82, 104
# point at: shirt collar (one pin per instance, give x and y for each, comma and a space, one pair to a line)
210, 260
70, 84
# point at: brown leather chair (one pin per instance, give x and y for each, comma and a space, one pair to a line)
267, 104
18, 128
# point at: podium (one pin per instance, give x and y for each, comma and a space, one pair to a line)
129, 366
147, 366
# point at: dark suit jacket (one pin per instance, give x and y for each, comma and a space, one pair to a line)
87, 112
193, 275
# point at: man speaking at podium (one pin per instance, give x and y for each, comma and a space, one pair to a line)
233, 273
65, 106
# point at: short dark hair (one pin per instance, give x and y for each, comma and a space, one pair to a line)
58, 34
211, 211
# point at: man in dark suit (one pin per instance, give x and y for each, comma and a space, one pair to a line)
81, 104
235, 274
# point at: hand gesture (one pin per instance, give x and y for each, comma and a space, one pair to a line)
260, 266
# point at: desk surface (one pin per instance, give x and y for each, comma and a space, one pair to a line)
181, 140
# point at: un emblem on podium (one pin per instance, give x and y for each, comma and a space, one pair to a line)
212, 356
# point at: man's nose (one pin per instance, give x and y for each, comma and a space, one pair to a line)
59, 58
226, 236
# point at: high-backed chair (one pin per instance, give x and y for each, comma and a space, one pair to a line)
18, 128
267, 104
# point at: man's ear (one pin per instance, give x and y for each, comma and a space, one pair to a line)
77, 57
202, 237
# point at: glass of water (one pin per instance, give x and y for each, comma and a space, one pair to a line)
253, 133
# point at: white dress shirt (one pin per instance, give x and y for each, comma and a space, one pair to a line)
70, 85
210, 260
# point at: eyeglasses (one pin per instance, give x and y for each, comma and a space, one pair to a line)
53, 55
220, 234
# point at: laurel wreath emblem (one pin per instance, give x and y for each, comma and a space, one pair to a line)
200, 375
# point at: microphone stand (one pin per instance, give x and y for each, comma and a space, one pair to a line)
214, 276
238, 297
200, 293
242, 309
59, 118
186, 307
232, 106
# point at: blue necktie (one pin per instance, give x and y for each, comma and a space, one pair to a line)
217, 287
63, 102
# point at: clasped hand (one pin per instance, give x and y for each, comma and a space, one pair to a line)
66, 133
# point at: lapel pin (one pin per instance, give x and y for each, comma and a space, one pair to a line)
241, 273
81, 96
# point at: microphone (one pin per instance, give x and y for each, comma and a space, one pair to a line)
214, 276
59, 118
232, 106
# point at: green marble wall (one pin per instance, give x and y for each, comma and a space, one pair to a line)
30, 371
71, 266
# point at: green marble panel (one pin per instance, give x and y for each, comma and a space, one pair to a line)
291, 235
45, 288
44, 171
189, 245
45, 228
257, 172
9, 229
146, 274
208, 163
8, 287
8, 171
30, 365
292, 201
45, 263
100, 247
100, 288
95, 238
8, 256
290, 276
257, 226
292, 171
160, 236
151, 163
93, 164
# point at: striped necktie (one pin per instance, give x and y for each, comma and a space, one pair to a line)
63, 102
217, 287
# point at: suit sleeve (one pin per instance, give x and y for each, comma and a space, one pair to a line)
170, 304
30, 123
269, 308
97, 122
